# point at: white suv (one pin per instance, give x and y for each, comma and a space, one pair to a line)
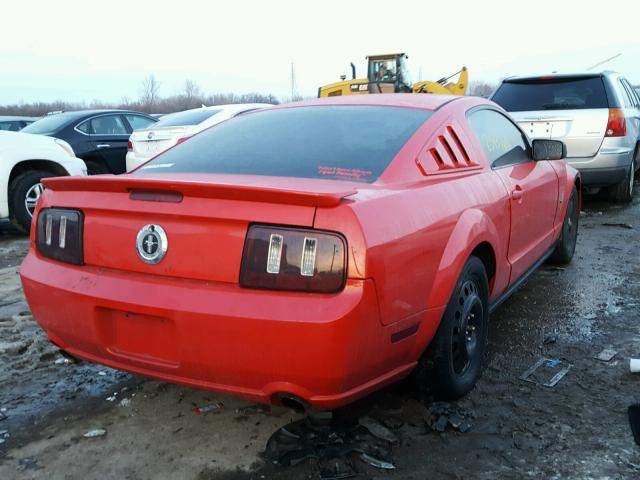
25, 160
596, 115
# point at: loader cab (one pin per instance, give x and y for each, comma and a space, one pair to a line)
389, 73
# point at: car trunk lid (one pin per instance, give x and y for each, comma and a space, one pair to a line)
150, 142
205, 219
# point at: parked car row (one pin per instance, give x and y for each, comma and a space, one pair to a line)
99, 141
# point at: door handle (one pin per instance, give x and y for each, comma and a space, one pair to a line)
517, 193
103, 145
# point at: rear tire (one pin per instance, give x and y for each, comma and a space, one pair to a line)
623, 191
452, 364
24, 192
566, 246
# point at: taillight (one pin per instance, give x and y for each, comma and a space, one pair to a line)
129, 146
293, 259
617, 124
183, 139
59, 235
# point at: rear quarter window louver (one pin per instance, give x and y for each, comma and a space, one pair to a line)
445, 153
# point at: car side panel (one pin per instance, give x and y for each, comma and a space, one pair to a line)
415, 246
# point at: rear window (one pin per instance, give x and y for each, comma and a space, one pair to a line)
332, 142
552, 94
50, 123
189, 117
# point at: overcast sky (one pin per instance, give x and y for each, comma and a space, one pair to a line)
85, 50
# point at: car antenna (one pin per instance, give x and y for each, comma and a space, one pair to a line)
604, 61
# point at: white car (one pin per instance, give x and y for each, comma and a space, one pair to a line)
174, 128
26, 159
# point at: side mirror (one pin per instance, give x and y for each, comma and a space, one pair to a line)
549, 150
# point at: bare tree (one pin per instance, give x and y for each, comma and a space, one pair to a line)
149, 93
481, 89
191, 90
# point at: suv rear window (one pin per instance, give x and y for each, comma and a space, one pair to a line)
332, 142
188, 117
551, 94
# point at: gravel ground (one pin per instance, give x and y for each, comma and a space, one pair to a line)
576, 429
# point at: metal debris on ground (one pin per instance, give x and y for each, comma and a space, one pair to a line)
62, 361
606, 355
443, 414
377, 429
97, 432
546, 372
211, 408
628, 226
253, 409
376, 462
329, 442
112, 398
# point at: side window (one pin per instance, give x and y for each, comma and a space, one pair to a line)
632, 93
626, 96
107, 125
137, 121
84, 127
501, 140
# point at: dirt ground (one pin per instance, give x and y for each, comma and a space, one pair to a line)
577, 429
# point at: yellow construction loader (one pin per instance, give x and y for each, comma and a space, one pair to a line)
389, 74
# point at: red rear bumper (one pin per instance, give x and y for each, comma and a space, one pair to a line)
326, 349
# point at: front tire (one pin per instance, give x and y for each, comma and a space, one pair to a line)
452, 364
24, 192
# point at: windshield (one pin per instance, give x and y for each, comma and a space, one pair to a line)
50, 123
189, 117
551, 94
332, 142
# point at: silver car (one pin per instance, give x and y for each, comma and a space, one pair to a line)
596, 115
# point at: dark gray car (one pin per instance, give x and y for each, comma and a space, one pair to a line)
99, 137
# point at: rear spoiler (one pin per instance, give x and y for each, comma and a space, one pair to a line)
318, 197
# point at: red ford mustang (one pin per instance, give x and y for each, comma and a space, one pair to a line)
311, 252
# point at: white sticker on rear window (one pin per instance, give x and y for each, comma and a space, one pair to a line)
157, 165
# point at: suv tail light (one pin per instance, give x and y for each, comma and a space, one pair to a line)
59, 235
183, 139
617, 124
293, 259
129, 146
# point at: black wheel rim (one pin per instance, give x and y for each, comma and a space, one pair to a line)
467, 328
571, 224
